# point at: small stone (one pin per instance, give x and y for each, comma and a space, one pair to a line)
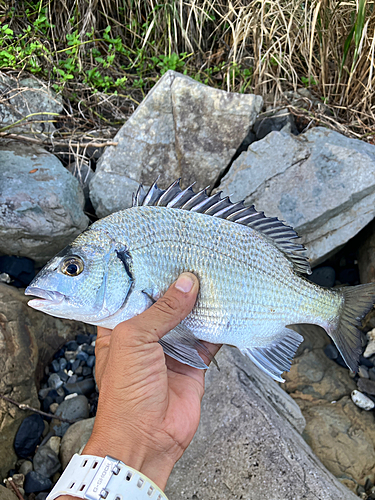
82, 356
91, 361
70, 355
53, 407
363, 371
370, 349
18, 480
54, 443
362, 401
81, 338
60, 392
71, 396
72, 379
63, 363
28, 435
26, 467
47, 402
54, 381
366, 385
60, 428
331, 351
35, 482
55, 365
46, 461
42, 495
366, 362
72, 345
75, 438
86, 371
46, 428
63, 376
371, 373
56, 477
43, 392
73, 409
75, 365
78, 372
88, 349
85, 387
93, 338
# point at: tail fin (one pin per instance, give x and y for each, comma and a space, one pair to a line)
358, 300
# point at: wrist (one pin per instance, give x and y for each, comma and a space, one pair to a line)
155, 466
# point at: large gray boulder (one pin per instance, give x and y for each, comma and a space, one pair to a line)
245, 447
182, 129
41, 203
30, 103
28, 340
321, 182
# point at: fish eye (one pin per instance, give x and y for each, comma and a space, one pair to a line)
72, 266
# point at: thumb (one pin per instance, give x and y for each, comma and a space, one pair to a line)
167, 312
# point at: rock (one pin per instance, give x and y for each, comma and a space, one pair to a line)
91, 361
35, 482
54, 381
244, 444
321, 183
6, 494
73, 409
46, 462
28, 98
54, 443
323, 276
331, 351
363, 371
182, 129
274, 121
366, 385
53, 407
340, 434
28, 435
28, 340
25, 468
366, 253
41, 496
85, 387
362, 401
370, 349
75, 439
83, 173
41, 203
19, 269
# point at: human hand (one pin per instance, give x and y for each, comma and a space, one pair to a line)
149, 403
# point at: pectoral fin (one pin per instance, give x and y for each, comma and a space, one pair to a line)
276, 358
181, 344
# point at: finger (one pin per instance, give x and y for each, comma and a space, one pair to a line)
165, 314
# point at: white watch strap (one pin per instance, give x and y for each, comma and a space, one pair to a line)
98, 478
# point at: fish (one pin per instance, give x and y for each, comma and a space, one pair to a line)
250, 267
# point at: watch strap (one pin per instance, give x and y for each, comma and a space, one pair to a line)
97, 478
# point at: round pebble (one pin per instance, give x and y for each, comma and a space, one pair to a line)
46, 462
26, 467
362, 401
363, 371
54, 381
53, 407
91, 361
54, 443
28, 435
35, 482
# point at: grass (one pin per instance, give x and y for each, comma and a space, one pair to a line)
105, 55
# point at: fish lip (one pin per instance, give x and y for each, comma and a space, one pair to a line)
49, 296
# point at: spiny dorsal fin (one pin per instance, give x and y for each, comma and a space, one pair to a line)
272, 228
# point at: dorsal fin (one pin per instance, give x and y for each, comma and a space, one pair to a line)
272, 228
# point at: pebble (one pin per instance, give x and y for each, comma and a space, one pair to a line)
362, 401
54, 381
70, 355
366, 362
370, 349
86, 371
91, 361
46, 462
53, 407
60, 428
54, 443
331, 351
363, 371
82, 338
63, 375
85, 387
73, 409
46, 429
28, 435
71, 396
42, 495
371, 373
35, 482
55, 365
72, 379
88, 349
63, 363
83, 356
366, 385
26, 467
72, 345
79, 371
75, 365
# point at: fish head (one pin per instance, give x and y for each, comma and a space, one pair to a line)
87, 281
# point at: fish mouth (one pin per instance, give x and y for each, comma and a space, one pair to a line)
45, 297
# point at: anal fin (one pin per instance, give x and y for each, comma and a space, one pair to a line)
276, 358
181, 344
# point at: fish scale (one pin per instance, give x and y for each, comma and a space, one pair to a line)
249, 268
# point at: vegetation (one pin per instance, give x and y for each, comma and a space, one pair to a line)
117, 49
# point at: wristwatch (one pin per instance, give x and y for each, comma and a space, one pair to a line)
98, 478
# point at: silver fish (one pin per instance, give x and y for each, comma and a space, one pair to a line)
248, 265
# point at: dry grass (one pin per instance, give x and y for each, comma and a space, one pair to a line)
264, 46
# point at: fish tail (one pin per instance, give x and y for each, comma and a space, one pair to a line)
357, 301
